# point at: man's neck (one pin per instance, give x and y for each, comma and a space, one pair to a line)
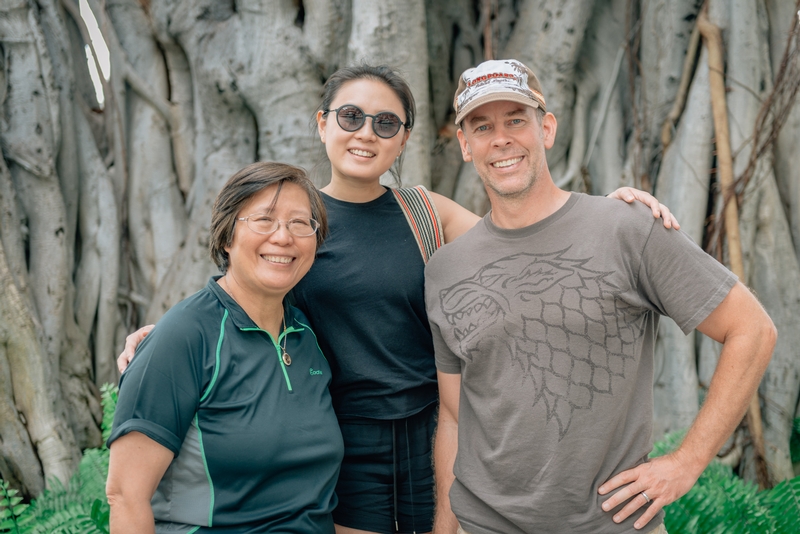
538, 204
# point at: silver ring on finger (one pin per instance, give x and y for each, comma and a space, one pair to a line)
646, 498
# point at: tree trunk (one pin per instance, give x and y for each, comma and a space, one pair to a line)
105, 210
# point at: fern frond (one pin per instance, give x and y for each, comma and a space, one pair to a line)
794, 441
719, 502
109, 394
92, 474
76, 518
55, 498
783, 503
81, 506
14, 514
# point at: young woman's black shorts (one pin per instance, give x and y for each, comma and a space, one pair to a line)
386, 481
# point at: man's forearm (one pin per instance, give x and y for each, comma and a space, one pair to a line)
444, 457
744, 358
732, 386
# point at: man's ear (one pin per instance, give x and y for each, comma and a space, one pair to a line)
466, 151
549, 128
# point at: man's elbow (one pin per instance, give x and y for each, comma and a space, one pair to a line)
769, 337
763, 337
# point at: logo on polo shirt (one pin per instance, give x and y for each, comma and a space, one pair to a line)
311, 371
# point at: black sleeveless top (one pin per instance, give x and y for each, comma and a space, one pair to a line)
364, 296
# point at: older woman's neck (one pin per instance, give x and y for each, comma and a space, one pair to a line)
265, 310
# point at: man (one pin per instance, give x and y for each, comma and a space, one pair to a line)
544, 319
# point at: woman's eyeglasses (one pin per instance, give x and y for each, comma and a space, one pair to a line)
351, 118
265, 225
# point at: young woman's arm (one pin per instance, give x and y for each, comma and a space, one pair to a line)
456, 219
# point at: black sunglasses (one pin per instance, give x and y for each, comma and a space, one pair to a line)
351, 118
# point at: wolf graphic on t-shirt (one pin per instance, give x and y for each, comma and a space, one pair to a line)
563, 323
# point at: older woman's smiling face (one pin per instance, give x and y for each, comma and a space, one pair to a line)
270, 265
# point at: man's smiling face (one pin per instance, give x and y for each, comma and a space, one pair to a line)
507, 144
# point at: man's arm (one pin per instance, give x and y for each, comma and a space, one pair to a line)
445, 448
748, 337
135, 467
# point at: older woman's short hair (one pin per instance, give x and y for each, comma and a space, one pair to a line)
241, 187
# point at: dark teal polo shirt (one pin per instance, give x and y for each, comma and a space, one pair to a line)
256, 442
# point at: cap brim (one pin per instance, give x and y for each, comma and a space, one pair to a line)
495, 96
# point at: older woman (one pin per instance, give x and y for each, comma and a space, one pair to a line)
224, 419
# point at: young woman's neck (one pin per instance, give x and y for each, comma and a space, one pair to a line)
350, 190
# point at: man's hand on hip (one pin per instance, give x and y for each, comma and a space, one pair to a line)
653, 484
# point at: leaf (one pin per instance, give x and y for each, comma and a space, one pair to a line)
794, 441
719, 502
783, 505
109, 397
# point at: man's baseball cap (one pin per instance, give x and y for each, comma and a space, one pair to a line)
497, 79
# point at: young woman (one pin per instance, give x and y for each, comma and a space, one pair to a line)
364, 298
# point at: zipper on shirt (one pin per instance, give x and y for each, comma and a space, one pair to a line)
278, 351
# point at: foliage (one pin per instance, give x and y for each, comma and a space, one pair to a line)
721, 502
794, 442
79, 508
13, 515
109, 395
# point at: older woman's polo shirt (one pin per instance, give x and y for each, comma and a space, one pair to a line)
256, 442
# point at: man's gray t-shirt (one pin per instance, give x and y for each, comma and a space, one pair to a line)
552, 329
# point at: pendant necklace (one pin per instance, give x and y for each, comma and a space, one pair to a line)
287, 360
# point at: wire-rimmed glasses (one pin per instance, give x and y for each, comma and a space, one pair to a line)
265, 225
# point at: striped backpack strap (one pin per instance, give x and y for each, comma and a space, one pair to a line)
422, 217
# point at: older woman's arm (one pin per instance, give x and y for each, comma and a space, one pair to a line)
136, 465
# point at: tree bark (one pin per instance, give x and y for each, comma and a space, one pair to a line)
105, 210
683, 182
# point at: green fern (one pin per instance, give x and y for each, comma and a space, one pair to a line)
86, 488
720, 502
75, 518
783, 504
109, 395
13, 512
794, 441
81, 506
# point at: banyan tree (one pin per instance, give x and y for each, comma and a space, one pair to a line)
105, 206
